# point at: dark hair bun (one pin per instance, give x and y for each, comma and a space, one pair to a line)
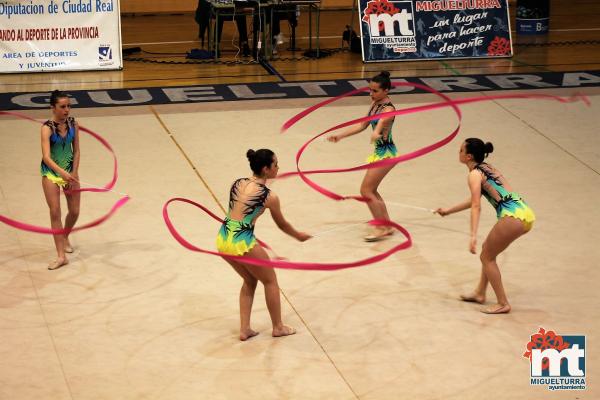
259, 159
55, 95
383, 80
478, 149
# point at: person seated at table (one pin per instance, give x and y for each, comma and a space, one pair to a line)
202, 18
279, 13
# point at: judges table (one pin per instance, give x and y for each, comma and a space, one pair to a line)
312, 5
263, 11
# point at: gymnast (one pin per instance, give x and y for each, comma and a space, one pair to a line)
59, 169
248, 199
381, 137
515, 218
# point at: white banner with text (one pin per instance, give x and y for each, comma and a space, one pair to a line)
59, 35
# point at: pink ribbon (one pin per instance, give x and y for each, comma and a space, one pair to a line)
405, 157
391, 161
40, 229
282, 263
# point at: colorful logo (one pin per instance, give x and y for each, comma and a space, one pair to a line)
105, 54
557, 361
391, 23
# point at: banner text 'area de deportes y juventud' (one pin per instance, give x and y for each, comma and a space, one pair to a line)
59, 35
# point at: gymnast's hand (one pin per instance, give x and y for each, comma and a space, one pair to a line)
442, 212
334, 138
473, 245
67, 177
303, 236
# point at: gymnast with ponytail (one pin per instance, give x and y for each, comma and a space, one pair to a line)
248, 199
515, 218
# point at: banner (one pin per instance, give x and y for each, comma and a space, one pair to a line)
533, 17
417, 30
59, 35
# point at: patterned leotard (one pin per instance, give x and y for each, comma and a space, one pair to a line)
384, 145
506, 203
236, 236
61, 151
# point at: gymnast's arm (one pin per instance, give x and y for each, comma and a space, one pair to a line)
382, 129
352, 130
468, 203
475, 187
76, 153
272, 203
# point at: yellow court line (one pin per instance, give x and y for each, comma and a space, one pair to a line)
187, 159
224, 212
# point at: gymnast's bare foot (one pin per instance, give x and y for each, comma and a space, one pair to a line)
379, 234
284, 330
497, 309
68, 247
473, 298
59, 262
246, 334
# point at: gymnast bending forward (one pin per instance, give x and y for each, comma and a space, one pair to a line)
248, 199
515, 218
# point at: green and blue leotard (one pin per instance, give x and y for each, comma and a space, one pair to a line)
384, 145
507, 204
236, 237
61, 151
